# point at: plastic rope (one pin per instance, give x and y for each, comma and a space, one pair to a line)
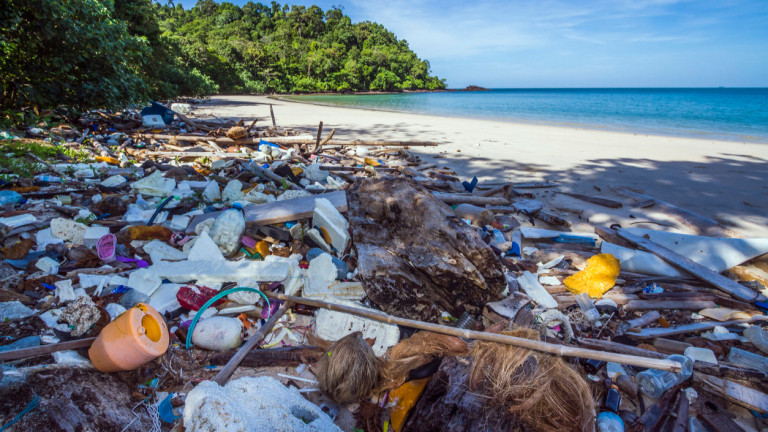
212, 301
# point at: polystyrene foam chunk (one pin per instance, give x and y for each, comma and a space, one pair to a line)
252, 404
159, 250
19, 220
326, 216
321, 274
68, 230
205, 272
144, 280
296, 278
335, 325
155, 185
164, 297
205, 249
93, 234
211, 192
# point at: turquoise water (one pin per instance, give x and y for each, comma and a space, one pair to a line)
737, 114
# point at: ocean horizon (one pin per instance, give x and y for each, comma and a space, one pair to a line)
715, 113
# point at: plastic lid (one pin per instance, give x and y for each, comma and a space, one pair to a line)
237, 206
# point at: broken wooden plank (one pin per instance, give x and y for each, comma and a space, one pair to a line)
280, 211
45, 349
455, 198
699, 271
595, 200
734, 392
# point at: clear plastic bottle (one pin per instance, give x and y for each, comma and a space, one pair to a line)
228, 229
589, 308
748, 360
609, 422
758, 337
653, 382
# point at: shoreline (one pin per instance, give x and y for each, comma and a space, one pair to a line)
723, 180
691, 135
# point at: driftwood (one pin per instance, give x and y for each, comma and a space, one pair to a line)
282, 356
416, 258
455, 198
594, 200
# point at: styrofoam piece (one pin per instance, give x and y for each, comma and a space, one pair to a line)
70, 358
154, 185
327, 217
180, 222
207, 272
91, 280
314, 173
115, 310
145, 280
114, 181
293, 193
205, 249
93, 234
18, 220
321, 274
64, 290
317, 237
256, 197
47, 265
181, 108
14, 310
45, 237
700, 354
715, 253
335, 325
161, 251
343, 290
232, 192
296, 277
535, 291
164, 297
68, 230
245, 297
252, 404
218, 333
549, 280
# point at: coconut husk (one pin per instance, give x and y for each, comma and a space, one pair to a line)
416, 351
349, 370
542, 389
237, 132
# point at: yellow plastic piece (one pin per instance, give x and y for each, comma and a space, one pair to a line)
598, 277
262, 248
109, 160
404, 398
297, 170
138, 336
371, 162
326, 236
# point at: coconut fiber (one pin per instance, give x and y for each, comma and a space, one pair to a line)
349, 369
543, 390
416, 351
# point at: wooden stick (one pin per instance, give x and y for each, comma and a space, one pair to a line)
251, 126
595, 200
699, 271
272, 113
45, 349
323, 142
688, 328
453, 198
561, 350
226, 372
274, 177
319, 134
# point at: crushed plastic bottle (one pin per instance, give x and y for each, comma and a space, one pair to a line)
758, 337
588, 308
653, 382
228, 229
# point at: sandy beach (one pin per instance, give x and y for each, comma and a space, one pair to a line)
726, 181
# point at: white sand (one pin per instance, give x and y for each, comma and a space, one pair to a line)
727, 181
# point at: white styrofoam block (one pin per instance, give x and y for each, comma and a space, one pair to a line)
333, 326
207, 272
205, 249
154, 185
68, 230
296, 277
320, 274
252, 404
64, 290
326, 216
18, 220
93, 234
144, 280
164, 297
161, 251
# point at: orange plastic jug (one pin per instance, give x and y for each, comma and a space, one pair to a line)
134, 338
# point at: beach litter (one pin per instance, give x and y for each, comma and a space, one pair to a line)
256, 277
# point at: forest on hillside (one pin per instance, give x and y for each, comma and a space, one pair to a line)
107, 53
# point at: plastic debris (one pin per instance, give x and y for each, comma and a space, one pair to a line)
598, 277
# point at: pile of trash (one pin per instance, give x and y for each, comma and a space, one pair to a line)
210, 276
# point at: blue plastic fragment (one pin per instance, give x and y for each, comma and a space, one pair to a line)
30, 406
566, 238
470, 186
166, 410
48, 286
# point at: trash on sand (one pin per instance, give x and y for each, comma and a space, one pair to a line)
598, 277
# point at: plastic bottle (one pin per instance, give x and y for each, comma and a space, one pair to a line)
748, 360
758, 337
653, 382
588, 307
613, 399
609, 422
227, 230
10, 197
134, 338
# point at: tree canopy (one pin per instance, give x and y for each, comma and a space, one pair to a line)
107, 53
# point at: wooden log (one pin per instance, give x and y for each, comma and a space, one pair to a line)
734, 392
560, 350
279, 211
595, 200
282, 356
551, 218
455, 198
226, 372
699, 271
45, 349
642, 305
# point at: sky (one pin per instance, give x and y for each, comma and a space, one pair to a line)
575, 43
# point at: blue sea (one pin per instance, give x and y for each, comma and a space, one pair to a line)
735, 114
